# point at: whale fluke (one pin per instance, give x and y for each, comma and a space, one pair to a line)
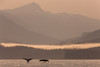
44, 60
28, 60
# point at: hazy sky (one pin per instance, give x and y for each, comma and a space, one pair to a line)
89, 8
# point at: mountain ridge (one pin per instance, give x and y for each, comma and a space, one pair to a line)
20, 52
59, 26
11, 32
89, 37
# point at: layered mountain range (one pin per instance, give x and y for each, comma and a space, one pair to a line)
89, 37
31, 24
10, 32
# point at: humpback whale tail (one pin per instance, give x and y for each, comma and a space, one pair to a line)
44, 60
28, 60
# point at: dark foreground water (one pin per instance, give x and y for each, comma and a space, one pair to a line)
52, 63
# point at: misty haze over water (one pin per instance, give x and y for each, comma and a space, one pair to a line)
53, 47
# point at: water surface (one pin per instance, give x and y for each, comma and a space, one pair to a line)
52, 63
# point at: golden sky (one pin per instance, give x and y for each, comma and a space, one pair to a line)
89, 8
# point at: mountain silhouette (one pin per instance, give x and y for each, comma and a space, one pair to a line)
89, 37
11, 32
59, 26
20, 52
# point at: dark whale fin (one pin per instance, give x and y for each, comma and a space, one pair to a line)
44, 60
28, 60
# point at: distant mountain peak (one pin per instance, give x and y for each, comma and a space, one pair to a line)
29, 7
32, 5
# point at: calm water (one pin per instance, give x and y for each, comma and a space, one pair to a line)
52, 63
